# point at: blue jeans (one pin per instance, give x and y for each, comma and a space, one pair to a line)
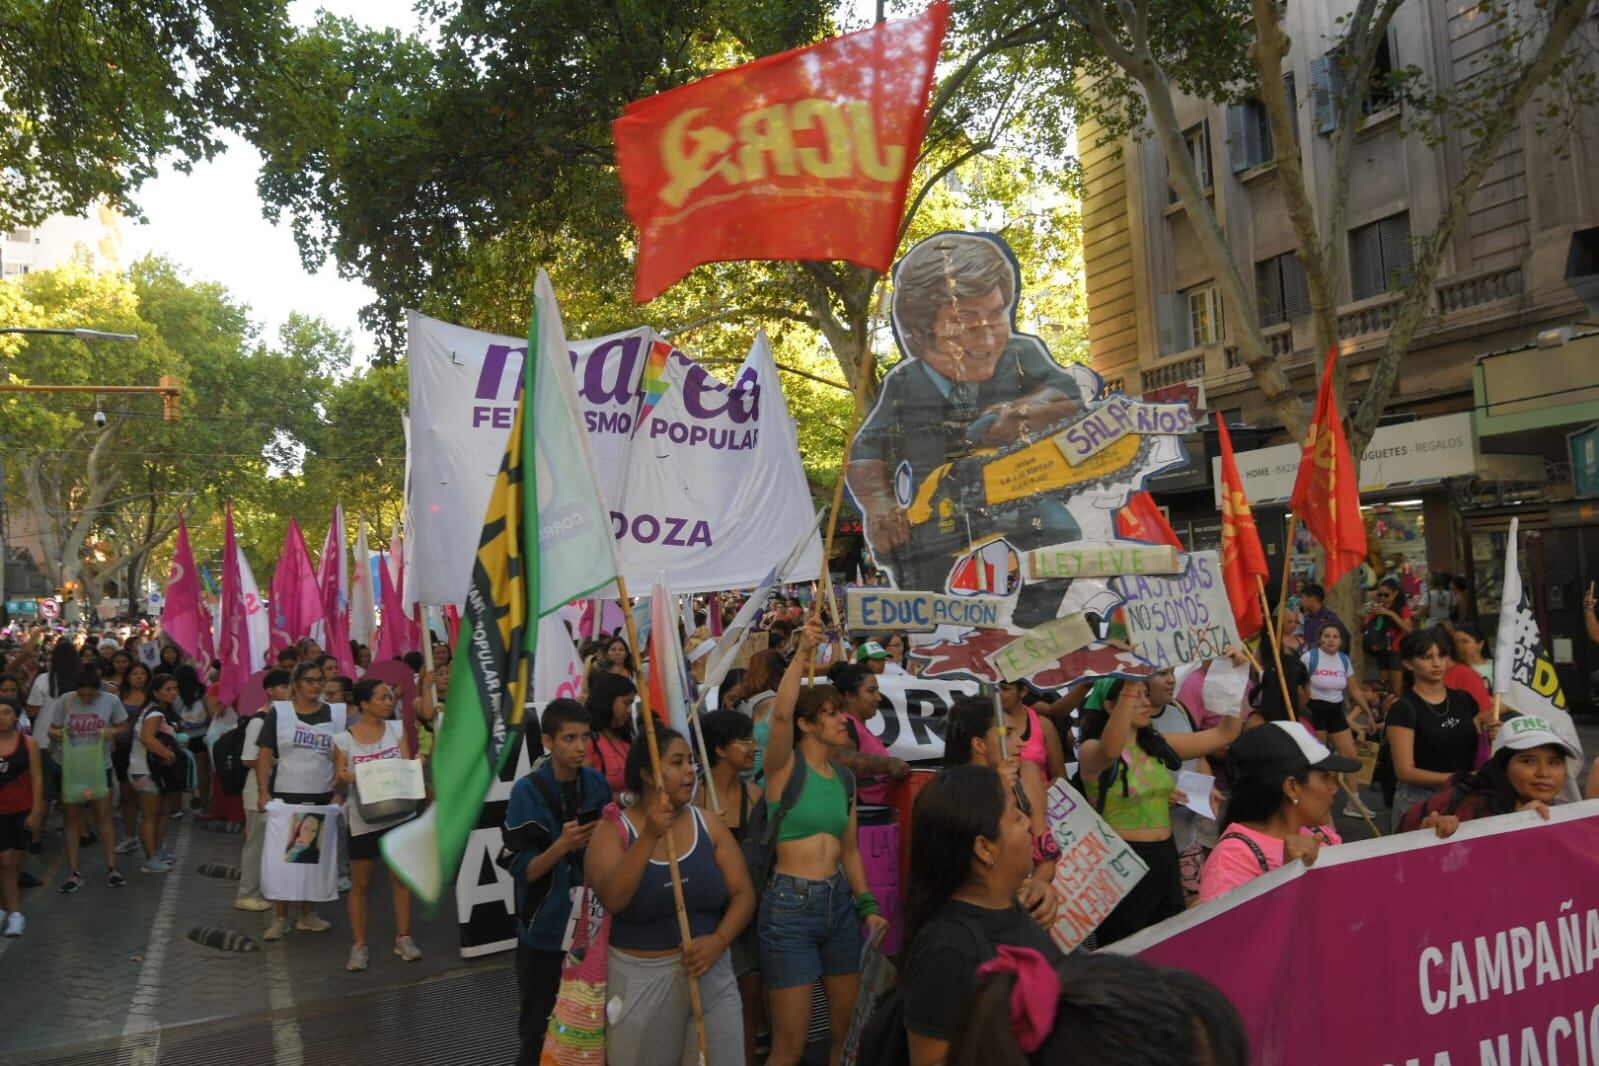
808, 929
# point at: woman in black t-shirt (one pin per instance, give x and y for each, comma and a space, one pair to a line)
971, 851
1432, 730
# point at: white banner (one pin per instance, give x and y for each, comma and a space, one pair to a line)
706, 489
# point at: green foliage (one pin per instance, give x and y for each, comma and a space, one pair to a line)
94, 92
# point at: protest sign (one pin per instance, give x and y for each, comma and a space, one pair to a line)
870, 609
1507, 979
701, 478
1096, 868
1179, 619
377, 780
1224, 688
1041, 646
1087, 558
1116, 418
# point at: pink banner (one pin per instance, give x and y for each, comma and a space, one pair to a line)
1410, 950
330, 577
296, 601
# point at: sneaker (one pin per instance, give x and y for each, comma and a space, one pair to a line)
277, 930
177, 815
344, 884
406, 948
126, 845
14, 923
1356, 809
73, 882
313, 923
360, 955
165, 855
115, 878
251, 903
155, 865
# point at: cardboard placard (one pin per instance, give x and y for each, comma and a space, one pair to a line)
1088, 558
1096, 868
880, 610
1180, 619
1048, 643
389, 779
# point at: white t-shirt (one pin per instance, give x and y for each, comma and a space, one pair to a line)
1329, 677
355, 752
1439, 603
299, 854
249, 752
81, 722
39, 694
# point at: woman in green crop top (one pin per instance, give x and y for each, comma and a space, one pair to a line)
814, 904
1128, 772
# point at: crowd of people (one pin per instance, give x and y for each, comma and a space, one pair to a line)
761, 929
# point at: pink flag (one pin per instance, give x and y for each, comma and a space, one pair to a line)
183, 617
296, 600
394, 636
241, 647
331, 578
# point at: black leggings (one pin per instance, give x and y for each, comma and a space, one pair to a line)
538, 979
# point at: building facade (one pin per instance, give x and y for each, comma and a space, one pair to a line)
57, 239
1504, 369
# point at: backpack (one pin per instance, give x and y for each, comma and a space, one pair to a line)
760, 833
1374, 637
227, 756
1315, 657
883, 1039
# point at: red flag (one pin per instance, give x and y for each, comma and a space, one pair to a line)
1242, 559
1326, 497
245, 633
801, 155
1141, 520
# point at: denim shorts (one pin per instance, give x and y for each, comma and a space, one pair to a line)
808, 929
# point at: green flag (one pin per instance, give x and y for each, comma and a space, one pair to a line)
546, 540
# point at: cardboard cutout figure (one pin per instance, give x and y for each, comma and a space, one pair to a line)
981, 447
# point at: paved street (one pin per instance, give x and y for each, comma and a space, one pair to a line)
109, 975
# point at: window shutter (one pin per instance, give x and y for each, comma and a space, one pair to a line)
1293, 102
1268, 292
1206, 177
1171, 317
1394, 243
1237, 150
1365, 263
1218, 325
1296, 290
1323, 92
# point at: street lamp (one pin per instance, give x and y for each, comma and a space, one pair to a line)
81, 334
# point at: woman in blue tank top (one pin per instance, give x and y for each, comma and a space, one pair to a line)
649, 965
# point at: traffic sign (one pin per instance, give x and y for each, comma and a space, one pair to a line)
49, 609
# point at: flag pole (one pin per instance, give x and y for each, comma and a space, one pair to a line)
1288, 561
671, 847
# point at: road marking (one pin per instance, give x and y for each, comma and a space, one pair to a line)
288, 1047
141, 1019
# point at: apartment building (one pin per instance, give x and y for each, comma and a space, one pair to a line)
1503, 372
57, 239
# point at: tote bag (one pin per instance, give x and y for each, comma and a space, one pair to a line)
576, 1036
83, 770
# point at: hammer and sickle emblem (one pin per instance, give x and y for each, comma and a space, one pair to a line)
692, 156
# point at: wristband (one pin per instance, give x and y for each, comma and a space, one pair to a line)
1045, 847
865, 905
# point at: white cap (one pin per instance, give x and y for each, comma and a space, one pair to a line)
1526, 731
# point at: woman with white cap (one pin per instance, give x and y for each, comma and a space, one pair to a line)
1527, 770
1284, 782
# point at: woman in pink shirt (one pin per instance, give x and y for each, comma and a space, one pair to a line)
865, 755
1284, 785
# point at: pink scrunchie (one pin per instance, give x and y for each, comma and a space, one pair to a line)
1034, 997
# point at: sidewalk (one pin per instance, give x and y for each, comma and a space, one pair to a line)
108, 966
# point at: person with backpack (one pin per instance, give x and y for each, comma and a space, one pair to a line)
1328, 670
971, 853
1128, 772
650, 964
295, 767
1284, 783
548, 824
157, 771
376, 734
236, 755
1388, 621
814, 895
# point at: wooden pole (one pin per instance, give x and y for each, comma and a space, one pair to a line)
671, 847
1288, 560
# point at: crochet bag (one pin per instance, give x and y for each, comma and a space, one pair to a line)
576, 1035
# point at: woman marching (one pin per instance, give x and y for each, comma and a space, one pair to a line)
22, 808
1127, 771
159, 784
814, 904
1330, 672
1432, 729
1526, 771
376, 734
650, 966
610, 707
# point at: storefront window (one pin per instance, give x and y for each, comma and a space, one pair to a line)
1399, 532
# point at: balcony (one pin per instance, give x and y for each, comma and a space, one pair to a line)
1175, 371
1483, 287
1373, 315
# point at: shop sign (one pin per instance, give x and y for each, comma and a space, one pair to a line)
1584, 448
1402, 454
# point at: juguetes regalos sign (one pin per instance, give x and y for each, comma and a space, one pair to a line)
802, 155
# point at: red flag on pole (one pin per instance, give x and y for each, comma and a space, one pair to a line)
1326, 494
184, 618
1142, 520
1242, 559
802, 155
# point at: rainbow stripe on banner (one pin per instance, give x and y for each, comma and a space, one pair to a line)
653, 385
